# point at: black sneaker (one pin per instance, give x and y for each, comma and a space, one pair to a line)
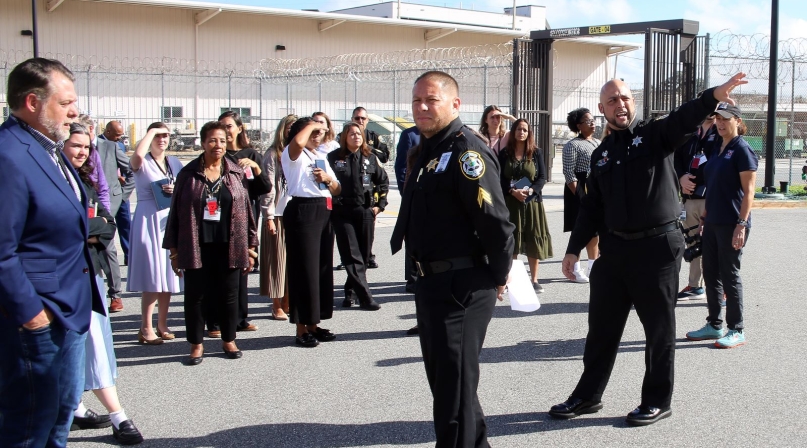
306, 340
91, 420
127, 433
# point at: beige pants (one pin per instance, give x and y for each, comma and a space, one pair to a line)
694, 209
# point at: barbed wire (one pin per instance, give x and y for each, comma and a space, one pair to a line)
750, 53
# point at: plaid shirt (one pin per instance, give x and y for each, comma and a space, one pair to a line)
577, 157
54, 149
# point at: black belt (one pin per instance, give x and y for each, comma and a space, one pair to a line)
452, 264
647, 233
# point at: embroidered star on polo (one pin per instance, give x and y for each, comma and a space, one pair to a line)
637, 140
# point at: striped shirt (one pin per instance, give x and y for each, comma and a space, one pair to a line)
577, 157
54, 150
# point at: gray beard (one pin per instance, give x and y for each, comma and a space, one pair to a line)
57, 132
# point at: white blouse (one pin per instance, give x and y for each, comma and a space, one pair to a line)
300, 174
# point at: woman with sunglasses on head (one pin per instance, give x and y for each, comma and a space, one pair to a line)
576, 166
690, 162
212, 237
101, 368
360, 173
309, 238
330, 141
273, 235
523, 175
494, 129
149, 266
725, 225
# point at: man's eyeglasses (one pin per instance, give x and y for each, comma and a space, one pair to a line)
588, 122
359, 118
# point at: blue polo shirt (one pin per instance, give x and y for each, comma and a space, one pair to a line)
724, 192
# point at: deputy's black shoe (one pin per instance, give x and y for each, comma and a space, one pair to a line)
371, 264
340, 267
370, 306
127, 433
347, 303
647, 415
573, 407
91, 420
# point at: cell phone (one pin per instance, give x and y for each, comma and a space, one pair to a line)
319, 163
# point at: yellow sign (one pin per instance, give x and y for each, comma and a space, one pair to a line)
602, 29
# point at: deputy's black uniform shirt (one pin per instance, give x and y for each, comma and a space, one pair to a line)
359, 176
633, 184
453, 205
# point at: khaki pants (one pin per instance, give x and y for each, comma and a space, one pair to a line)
694, 209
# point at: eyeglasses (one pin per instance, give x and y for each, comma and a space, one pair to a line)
359, 118
588, 122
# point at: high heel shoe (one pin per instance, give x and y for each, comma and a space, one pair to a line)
143, 340
194, 360
164, 335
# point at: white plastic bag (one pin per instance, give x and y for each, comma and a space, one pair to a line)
522, 295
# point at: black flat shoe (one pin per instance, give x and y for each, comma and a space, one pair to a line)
647, 415
127, 433
193, 361
233, 354
91, 420
306, 340
323, 335
573, 407
370, 306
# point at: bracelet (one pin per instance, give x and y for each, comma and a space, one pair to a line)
252, 253
173, 257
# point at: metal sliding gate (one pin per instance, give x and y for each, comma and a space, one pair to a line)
675, 70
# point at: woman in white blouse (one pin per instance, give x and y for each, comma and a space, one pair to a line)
309, 238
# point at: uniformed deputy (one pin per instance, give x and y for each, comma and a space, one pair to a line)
456, 227
632, 201
354, 211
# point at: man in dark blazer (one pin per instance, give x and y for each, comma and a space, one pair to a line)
115, 167
47, 280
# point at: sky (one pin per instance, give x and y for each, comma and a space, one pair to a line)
739, 16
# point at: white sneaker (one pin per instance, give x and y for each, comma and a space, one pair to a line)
580, 277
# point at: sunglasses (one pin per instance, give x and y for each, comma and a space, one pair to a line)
588, 122
359, 118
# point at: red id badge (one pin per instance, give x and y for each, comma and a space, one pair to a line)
212, 206
329, 203
248, 173
92, 210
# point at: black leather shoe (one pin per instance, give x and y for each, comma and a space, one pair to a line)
573, 407
647, 415
323, 335
127, 433
306, 340
234, 354
347, 303
412, 331
370, 306
372, 264
340, 267
191, 361
91, 420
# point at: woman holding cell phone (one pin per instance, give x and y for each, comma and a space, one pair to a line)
309, 238
149, 267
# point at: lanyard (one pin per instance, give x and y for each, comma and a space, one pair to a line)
167, 172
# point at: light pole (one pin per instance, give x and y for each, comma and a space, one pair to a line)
770, 155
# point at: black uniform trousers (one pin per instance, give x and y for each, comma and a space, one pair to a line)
721, 274
309, 260
353, 228
642, 273
212, 290
454, 309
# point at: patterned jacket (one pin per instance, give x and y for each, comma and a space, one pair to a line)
185, 217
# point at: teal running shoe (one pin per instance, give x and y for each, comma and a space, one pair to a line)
706, 333
732, 339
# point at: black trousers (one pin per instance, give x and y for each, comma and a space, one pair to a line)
721, 274
453, 312
309, 260
642, 273
352, 226
214, 287
410, 270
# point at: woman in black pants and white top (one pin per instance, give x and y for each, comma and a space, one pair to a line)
309, 238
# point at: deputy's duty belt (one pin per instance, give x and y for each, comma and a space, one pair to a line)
647, 233
452, 264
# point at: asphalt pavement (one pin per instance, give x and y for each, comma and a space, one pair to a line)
368, 387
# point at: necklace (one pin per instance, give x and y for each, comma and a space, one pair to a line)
212, 188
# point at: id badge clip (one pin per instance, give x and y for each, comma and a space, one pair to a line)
212, 211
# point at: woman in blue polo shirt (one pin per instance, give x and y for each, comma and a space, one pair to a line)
725, 225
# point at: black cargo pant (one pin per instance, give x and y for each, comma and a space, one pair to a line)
453, 312
642, 273
721, 273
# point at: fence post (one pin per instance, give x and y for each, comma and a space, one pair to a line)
485, 84
89, 109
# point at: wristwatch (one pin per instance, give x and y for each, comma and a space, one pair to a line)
742, 222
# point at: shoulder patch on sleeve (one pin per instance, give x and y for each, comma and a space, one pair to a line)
473, 167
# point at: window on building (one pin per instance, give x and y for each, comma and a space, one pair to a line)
244, 112
171, 112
